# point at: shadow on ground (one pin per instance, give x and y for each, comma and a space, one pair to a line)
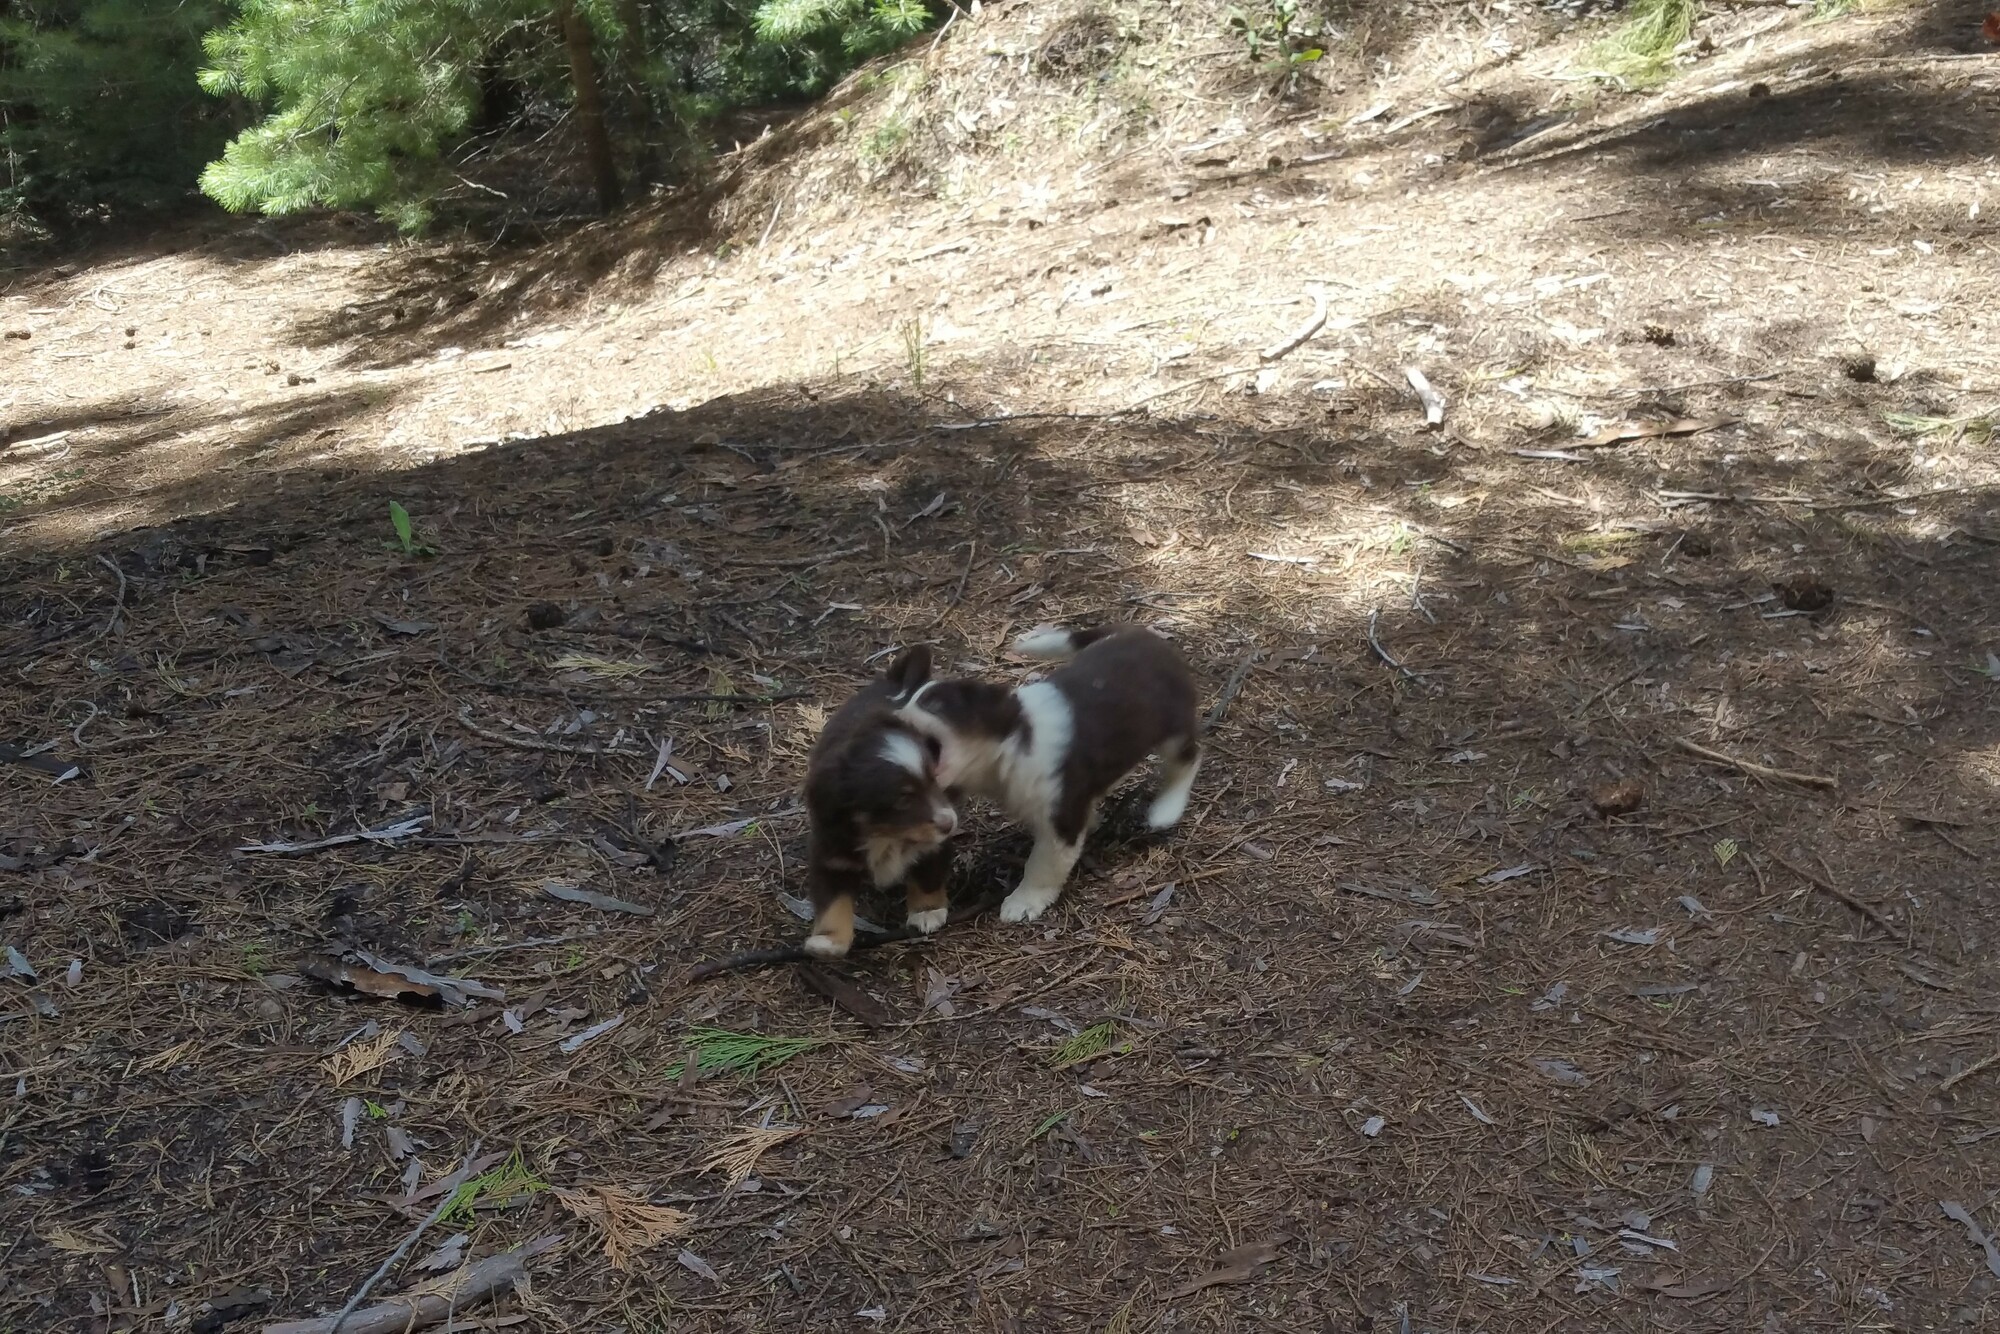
1416, 1013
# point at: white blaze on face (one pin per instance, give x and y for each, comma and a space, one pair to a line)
905, 751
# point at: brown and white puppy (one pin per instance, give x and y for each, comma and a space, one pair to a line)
879, 816
1049, 751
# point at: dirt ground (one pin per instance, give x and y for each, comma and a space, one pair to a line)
1585, 919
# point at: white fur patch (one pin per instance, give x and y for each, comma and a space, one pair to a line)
824, 947
1026, 904
929, 921
900, 748
1176, 782
1046, 643
1033, 776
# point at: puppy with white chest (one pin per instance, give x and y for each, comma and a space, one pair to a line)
879, 816
1048, 752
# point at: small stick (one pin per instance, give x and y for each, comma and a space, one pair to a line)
117, 608
795, 562
1231, 688
533, 743
750, 960
1602, 691
1299, 336
436, 1300
1383, 653
1868, 910
971, 554
444, 1203
1754, 769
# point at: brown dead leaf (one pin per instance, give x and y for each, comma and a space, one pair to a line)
1237, 1266
850, 1102
1626, 432
1673, 1285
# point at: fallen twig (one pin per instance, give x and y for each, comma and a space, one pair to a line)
794, 562
535, 743
1754, 769
1299, 336
117, 608
1827, 887
1604, 690
749, 960
1383, 653
436, 1300
444, 1202
1231, 688
971, 554
388, 833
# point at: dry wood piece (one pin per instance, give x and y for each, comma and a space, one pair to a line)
1299, 336
1827, 887
432, 1302
1755, 770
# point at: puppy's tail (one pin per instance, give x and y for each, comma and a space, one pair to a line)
1049, 643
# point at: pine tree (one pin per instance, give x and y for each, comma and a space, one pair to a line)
367, 95
368, 98
99, 113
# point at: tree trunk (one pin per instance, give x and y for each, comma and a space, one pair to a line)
589, 105
641, 106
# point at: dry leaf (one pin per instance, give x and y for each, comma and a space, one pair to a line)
625, 1223
1237, 1266
1618, 435
850, 1102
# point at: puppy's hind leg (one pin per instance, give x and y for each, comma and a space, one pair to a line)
1180, 761
1042, 881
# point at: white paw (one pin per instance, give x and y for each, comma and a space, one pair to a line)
928, 921
1167, 810
824, 947
1025, 904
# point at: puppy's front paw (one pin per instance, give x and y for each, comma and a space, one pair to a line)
929, 921
1026, 904
824, 947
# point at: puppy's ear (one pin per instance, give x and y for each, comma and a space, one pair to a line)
911, 668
